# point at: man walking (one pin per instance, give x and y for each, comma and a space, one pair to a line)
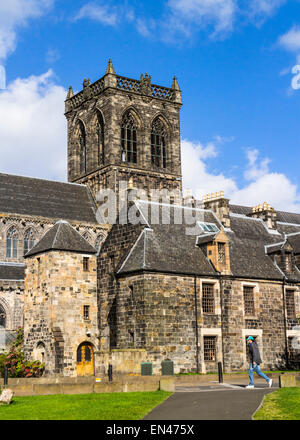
255, 361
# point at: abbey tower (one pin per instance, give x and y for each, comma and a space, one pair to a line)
122, 129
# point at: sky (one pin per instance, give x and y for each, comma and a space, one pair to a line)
237, 63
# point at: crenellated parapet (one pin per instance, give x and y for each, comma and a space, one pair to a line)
142, 87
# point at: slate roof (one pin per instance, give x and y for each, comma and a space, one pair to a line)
294, 240
62, 237
247, 249
45, 198
168, 248
12, 271
282, 216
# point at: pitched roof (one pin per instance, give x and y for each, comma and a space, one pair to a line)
282, 216
62, 237
169, 248
12, 271
247, 249
45, 198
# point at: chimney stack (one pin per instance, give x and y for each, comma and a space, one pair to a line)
266, 213
219, 205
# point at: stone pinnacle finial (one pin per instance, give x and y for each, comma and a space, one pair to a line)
70, 93
110, 68
175, 85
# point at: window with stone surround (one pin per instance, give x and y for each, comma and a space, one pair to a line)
249, 300
208, 298
290, 303
221, 253
86, 264
210, 348
12, 243
288, 262
28, 240
86, 312
158, 143
99, 241
129, 138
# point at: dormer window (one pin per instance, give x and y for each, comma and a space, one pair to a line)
208, 227
288, 262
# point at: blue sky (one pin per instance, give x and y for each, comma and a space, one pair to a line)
233, 60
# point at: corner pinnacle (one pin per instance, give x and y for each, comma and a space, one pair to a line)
110, 68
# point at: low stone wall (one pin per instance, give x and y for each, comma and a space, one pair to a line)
289, 380
82, 385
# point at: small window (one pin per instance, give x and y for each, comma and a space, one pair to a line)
208, 227
208, 300
86, 312
221, 253
210, 348
290, 304
288, 262
249, 300
85, 264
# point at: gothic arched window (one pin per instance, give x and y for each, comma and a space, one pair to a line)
2, 317
28, 240
100, 138
158, 143
99, 241
87, 237
82, 147
12, 243
129, 138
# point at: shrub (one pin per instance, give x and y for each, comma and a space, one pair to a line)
16, 363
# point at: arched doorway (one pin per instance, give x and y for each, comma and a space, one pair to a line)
85, 360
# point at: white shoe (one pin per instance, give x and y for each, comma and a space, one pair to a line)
249, 387
270, 383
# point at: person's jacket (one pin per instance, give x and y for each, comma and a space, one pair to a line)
254, 353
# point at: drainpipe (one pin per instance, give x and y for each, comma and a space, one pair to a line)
222, 305
196, 316
284, 322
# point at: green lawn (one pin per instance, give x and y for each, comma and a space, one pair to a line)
110, 406
283, 404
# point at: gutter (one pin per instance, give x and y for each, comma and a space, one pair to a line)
284, 323
197, 328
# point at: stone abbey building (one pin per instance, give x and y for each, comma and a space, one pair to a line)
140, 290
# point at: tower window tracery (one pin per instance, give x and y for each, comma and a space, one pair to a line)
158, 143
129, 138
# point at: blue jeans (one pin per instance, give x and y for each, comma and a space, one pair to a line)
257, 370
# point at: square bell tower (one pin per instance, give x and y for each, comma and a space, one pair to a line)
122, 129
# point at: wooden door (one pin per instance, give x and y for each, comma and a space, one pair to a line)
85, 360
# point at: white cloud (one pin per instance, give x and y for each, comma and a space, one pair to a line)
33, 128
255, 170
194, 170
103, 13
186, 14
264, 7
264, 185
291, 39
14, 14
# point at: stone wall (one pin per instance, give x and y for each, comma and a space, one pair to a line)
156, 312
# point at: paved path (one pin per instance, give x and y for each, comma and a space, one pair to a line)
211, 402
